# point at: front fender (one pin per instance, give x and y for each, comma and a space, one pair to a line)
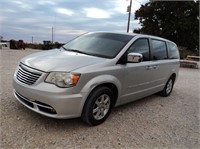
99, 80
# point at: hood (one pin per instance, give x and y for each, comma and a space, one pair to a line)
59, 60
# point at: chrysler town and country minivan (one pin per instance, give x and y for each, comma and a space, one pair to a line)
95, 72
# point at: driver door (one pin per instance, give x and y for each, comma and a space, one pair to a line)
138, 76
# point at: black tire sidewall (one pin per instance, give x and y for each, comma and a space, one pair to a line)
87, 114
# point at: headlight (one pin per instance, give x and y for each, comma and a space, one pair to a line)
62, 79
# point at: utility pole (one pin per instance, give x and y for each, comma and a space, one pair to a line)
32, 39
129, 15
52, 34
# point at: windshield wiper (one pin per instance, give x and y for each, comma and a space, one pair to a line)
64, 48
78, 51
74, 50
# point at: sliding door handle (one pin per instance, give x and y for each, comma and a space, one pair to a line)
155, 67
149, 67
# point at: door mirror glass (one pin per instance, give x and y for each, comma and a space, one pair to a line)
134, 57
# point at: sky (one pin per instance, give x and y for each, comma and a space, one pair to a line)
34, 19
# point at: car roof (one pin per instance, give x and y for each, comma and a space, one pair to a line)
135, 35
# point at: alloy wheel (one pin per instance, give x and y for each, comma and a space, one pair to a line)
101, 107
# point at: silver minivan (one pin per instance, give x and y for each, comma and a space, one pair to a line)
95, 72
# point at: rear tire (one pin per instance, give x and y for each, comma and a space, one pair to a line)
98, 106
168, 87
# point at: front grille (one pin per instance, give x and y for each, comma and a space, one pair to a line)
27, 75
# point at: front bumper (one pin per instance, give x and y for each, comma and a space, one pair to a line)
49, 100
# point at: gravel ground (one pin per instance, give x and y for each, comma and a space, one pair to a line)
152, 122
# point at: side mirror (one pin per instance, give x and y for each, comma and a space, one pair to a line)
134, 58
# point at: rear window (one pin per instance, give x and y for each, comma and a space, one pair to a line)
172, 51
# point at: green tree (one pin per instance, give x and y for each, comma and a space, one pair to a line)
175, 20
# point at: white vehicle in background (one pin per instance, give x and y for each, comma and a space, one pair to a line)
4, 44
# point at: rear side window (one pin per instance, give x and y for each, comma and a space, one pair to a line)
172, 51
159, 50
141, 46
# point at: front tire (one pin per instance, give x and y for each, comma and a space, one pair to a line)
168, 87
98, 106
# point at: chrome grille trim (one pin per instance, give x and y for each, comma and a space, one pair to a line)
27, 75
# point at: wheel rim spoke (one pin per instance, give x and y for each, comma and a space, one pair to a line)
98, 115
97, 103
95, 110
102, 113
107, 106
107, 99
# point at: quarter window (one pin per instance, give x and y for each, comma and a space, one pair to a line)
141, 46
173, 51
159, 50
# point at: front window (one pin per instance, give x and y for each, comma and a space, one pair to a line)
141, 46
106, 45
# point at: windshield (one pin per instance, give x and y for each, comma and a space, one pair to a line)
106, 45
